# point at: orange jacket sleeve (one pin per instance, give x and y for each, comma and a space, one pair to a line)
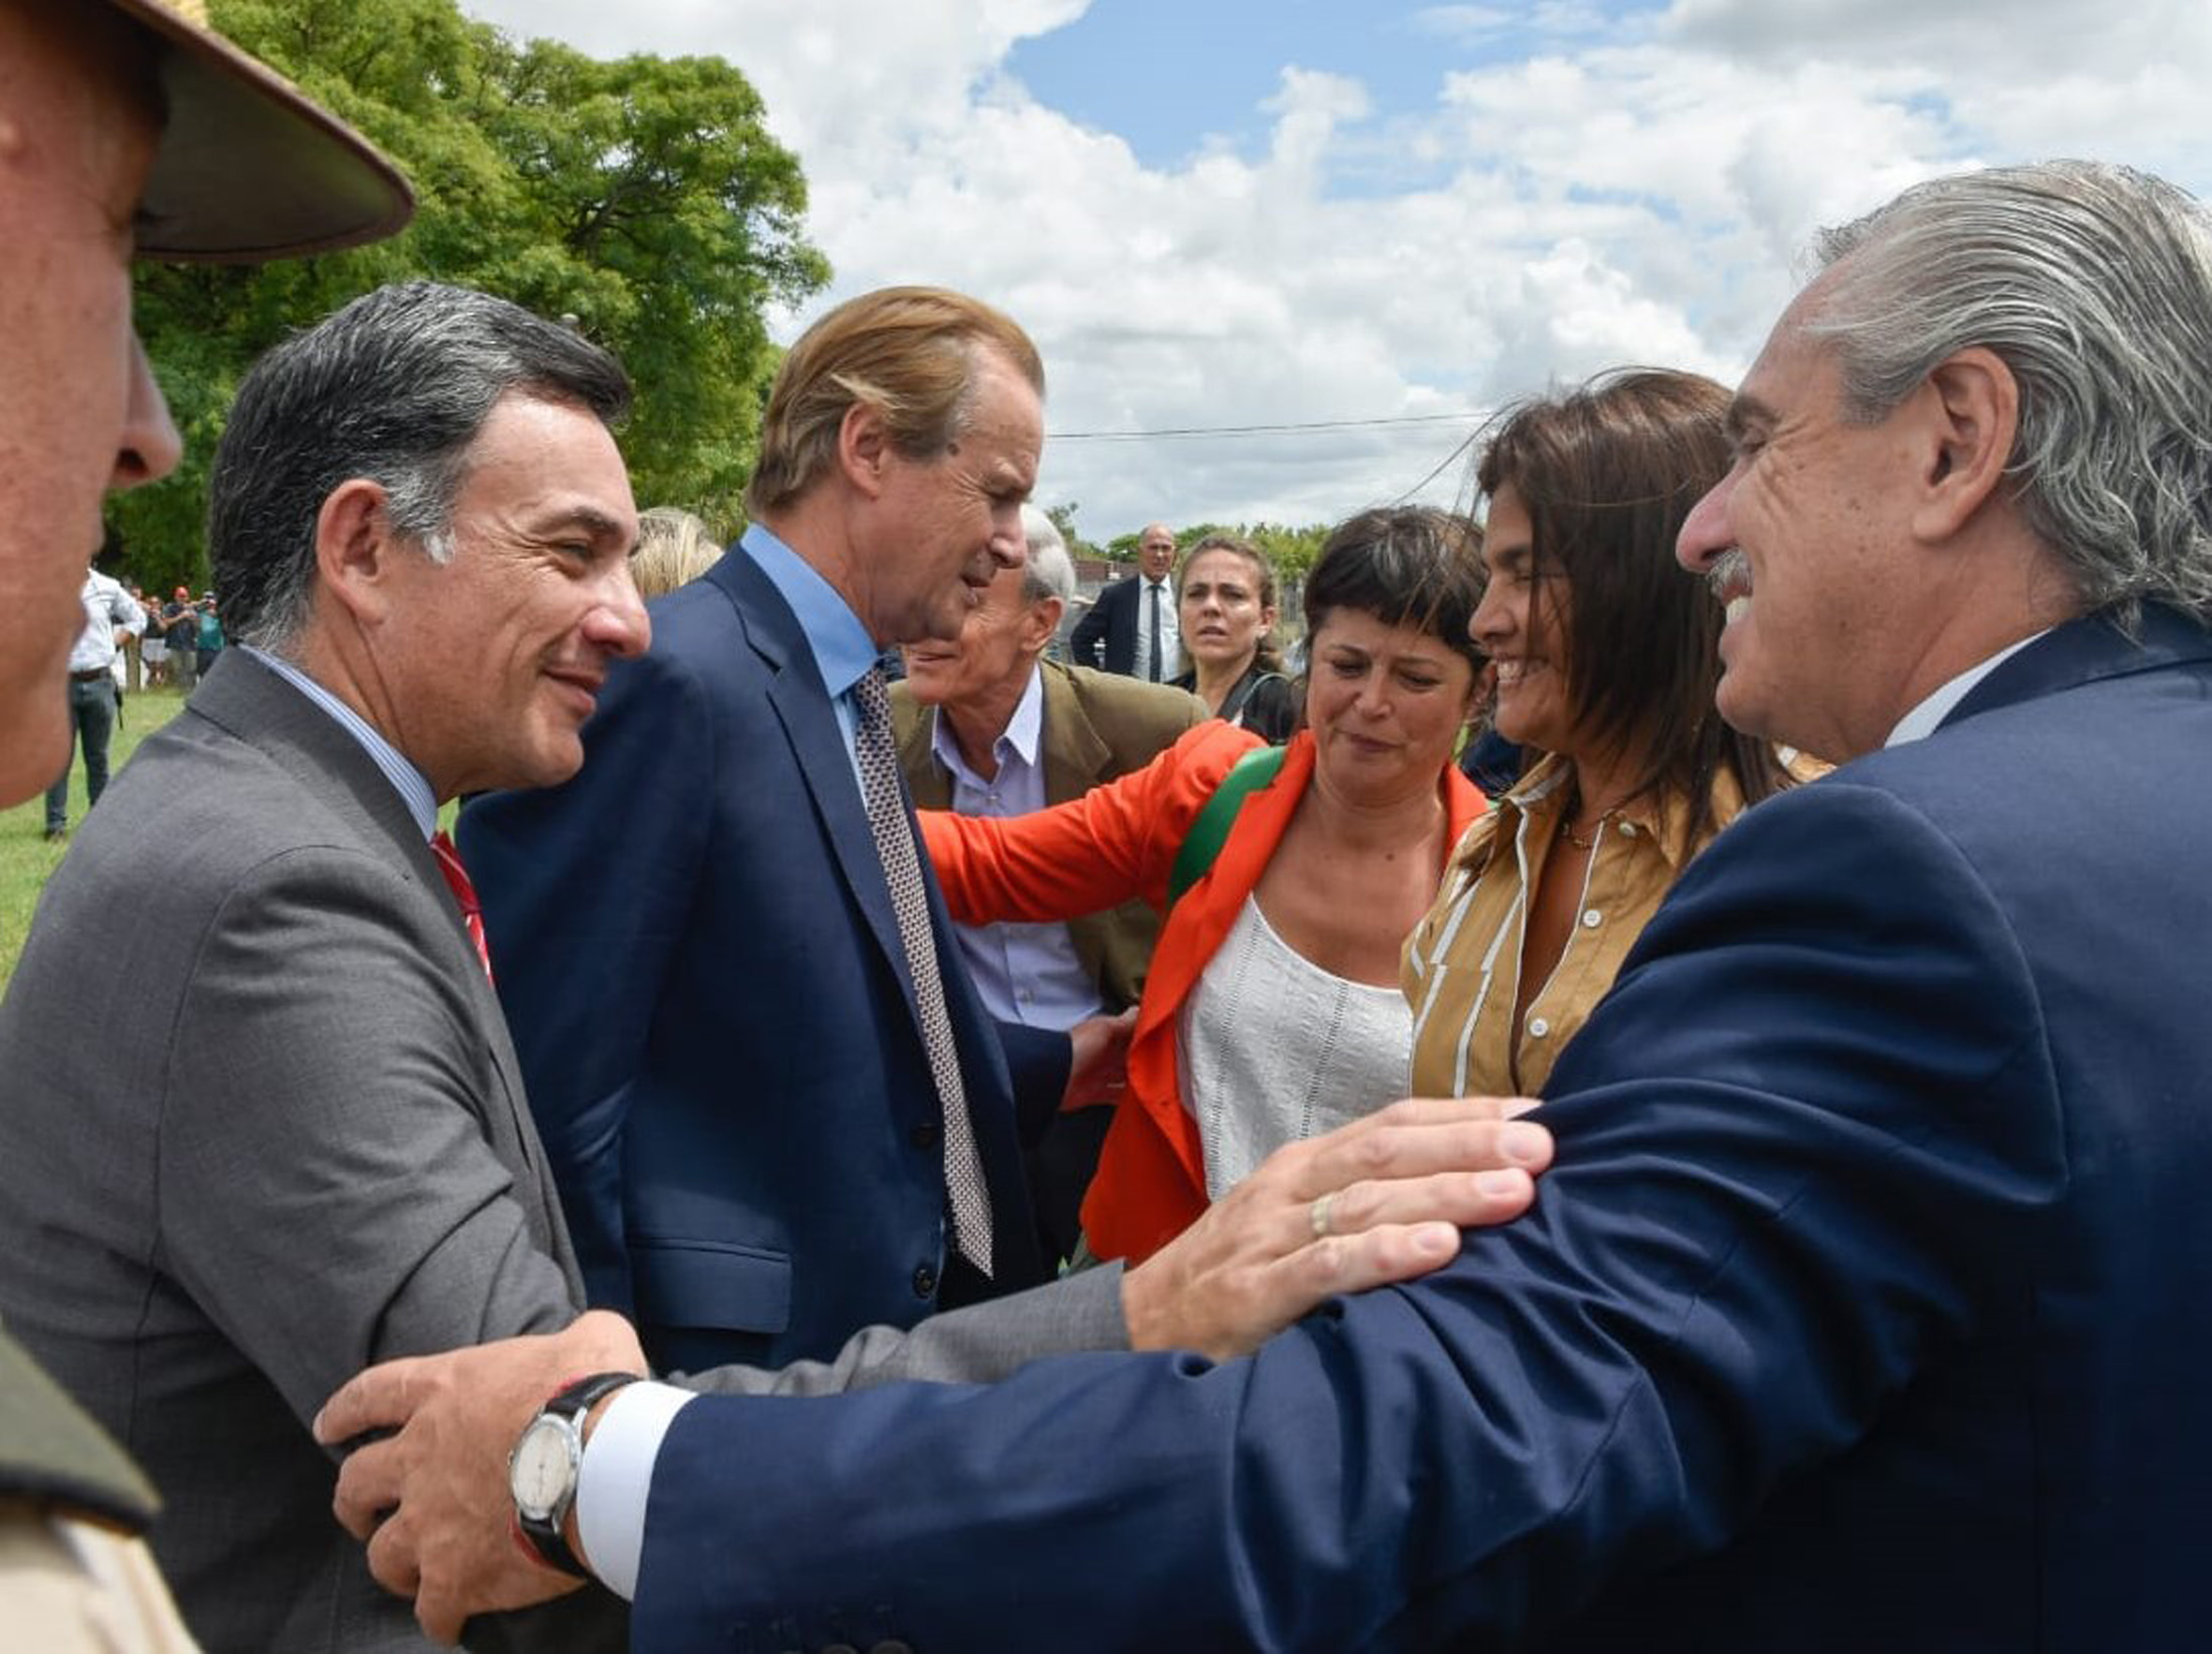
1115, 842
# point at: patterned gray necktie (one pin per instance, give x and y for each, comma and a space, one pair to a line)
902, 871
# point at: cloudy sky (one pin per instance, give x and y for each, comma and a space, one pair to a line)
1383, 218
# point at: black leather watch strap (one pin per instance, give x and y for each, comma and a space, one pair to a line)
544, 1534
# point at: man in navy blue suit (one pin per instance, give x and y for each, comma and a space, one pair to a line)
1133, 627
1864, 1308
725, 1037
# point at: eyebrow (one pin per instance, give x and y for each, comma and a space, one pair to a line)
1417, 657
593, 521
1743, 412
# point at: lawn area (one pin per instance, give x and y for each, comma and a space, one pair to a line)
26, 858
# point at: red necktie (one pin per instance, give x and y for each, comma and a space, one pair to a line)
472, 910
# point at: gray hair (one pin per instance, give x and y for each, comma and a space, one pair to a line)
393, 387
2093, 284
1050, 572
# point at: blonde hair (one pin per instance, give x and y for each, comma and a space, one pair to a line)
673, 549
909, 352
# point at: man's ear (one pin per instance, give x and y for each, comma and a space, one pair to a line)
1039, 621
355, 547
1971, 404
863, 443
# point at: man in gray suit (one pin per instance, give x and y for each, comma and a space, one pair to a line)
987, 725
295, 1139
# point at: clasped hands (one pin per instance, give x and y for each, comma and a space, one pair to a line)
1380, 1201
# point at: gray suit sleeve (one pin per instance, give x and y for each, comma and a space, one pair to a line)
978, 1345
329, 1193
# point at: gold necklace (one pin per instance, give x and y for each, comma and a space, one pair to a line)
1567, 832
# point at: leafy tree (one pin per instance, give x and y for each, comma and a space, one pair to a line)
1291, 551
1064, 519
642, 198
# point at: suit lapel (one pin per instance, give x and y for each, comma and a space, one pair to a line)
926, 779
1076, 757
259, 708
2082, 651
802, 704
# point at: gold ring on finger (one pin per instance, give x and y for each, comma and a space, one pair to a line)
1318, 1214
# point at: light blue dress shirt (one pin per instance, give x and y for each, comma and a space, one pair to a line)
842, 649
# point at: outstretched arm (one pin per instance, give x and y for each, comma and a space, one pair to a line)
1812, 1130
1115, 842
1378, 1201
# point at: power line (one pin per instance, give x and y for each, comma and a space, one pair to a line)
1448, 459
1179, 433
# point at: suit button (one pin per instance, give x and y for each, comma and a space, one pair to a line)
925, 1281
926, 1135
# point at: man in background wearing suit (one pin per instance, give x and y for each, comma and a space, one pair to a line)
133, 131
1865, 1308
986, 725
295, 1136
1133, 627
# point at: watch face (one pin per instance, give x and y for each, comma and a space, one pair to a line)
544, 1469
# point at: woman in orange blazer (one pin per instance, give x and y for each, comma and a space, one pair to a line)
1273, 1010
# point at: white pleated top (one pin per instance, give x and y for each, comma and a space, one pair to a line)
1270, 1048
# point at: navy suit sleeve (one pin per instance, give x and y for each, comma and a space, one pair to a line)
586, 892
1795, 1147
1086, 642
1038, 1062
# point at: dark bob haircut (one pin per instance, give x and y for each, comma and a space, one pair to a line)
1407, 565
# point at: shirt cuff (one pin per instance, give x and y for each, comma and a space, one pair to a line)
616, 1478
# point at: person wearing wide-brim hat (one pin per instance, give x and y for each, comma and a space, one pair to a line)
125, 126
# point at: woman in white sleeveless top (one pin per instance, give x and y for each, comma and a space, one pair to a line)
1272, 1008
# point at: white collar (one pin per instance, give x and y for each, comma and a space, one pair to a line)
1023, 735
1924, 719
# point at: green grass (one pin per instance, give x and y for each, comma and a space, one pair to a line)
26, 859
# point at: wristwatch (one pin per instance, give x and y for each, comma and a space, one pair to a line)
542, 1469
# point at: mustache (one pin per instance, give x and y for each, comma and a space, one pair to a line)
1731, 568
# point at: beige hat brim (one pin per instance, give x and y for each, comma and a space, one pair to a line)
249, 168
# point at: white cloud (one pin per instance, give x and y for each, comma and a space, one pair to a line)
1638, 194
1471, 25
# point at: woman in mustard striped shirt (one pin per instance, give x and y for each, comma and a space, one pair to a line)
1607, 654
